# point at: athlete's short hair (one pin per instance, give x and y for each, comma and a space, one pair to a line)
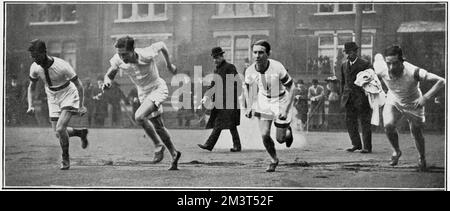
263, 43
126, 42
37, 45
394, 50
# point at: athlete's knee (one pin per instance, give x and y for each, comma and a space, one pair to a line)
60, 129
139, 119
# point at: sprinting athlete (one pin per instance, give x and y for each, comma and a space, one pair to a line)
65, 95
139, 65
274, 98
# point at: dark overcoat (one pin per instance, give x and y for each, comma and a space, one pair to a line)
221, 116
351, 93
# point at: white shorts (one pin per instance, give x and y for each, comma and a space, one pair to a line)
157, 93
269, 109
415, 116
64, 99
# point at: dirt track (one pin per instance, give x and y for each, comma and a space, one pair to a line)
120, 158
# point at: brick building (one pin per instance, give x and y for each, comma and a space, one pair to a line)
84, 34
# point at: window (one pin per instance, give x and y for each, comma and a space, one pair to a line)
337, 8
366, 39
54, 48
53, 13
237, 45
328, 8
145, 40
241, 10
326, 40
66, 50
331, 44
344, 37
323, 62
142, 12
70, 53
126, 11
226, 44
345, 7
367, 7
241, 50
70, 13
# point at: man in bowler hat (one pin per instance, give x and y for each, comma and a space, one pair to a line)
355, 101
223, 117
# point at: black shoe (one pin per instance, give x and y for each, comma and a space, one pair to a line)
84, 141
353, 149
422, 165
65, 164
235, 149
174, 164
394, 159
159, 155
365, 151
204, 147
272, 167
290, 139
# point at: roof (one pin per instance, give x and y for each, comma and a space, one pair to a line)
421, 26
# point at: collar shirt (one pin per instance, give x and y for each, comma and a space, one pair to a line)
353, 62
60, 72
404, 90
272, 83
145, 72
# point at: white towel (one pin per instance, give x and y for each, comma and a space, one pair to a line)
369, 81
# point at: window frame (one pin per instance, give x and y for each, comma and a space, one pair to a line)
135, 17
61, 52
336, 47
337, 12
239, 34
60, 22
219, 16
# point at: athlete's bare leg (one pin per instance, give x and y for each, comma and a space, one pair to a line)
140, 116
391, 116
60, 127
416, 131
264, 127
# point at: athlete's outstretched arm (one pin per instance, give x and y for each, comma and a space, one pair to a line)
290, 88
165, 53
439, 83
109, 76
248, 98
30, 94
80, 89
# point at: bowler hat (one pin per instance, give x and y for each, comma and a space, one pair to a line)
217, 51
350, 46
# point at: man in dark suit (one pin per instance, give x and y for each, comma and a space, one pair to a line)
355, 101
222, 116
